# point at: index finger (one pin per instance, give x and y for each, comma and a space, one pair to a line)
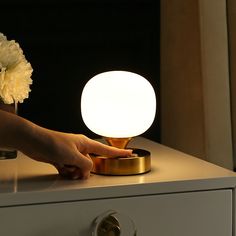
102, 149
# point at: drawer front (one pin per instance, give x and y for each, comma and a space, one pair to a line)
207, 213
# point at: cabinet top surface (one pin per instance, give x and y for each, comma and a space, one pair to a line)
25, 181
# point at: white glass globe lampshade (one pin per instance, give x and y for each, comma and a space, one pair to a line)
118, 104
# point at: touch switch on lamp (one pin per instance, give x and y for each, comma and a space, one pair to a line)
119, 105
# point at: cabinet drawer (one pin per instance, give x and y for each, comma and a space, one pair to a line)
207, 213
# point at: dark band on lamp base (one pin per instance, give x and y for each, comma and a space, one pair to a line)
138, 163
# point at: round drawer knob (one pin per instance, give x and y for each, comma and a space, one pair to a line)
110, 223
109, 226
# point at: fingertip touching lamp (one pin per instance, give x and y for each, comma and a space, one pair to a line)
119, 105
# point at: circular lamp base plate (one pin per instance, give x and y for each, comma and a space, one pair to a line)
138, 163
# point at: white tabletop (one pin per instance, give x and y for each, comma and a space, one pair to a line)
25, 181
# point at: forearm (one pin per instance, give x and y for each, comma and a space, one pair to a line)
15, 131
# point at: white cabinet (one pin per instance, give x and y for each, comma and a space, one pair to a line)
181, 196
206, 213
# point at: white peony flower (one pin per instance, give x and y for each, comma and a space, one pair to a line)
15, 72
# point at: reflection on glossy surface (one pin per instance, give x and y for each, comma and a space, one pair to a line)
8, 176
37, 183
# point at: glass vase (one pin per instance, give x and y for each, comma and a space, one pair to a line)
6, 153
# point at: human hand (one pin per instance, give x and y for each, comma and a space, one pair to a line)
83, 164
69, 153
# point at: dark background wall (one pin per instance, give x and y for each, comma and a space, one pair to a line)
67, 43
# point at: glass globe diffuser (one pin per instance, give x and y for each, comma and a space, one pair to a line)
119, 105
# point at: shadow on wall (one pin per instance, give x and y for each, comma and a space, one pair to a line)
67, 45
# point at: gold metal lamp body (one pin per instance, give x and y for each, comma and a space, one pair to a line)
138, 163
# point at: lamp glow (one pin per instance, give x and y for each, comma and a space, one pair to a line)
118, 104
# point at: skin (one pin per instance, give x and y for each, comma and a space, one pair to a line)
69, 153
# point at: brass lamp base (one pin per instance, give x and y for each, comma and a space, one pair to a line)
138, 163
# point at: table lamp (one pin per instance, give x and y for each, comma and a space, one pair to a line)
119, 105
